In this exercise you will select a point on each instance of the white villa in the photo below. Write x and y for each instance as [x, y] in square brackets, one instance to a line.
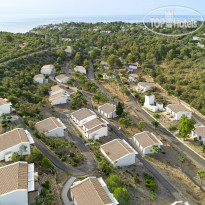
[180, 203]
[133, 66]
[103, 63]
[40, 78]
[59, 98]
[68, 49]
[145, 141]
[80, 69]
[150, 104]
[5, 107]
[56, 89]
[17, 140]
[196, 38]
[107, 77]
[144, 86]
[91, 191]
[199, 132]
[132, 77]
[62, 78]
[82, 116]
[177, 110]
[108, 110]
[17, 180]
[47, 69]
[51, 127]
[119, 153]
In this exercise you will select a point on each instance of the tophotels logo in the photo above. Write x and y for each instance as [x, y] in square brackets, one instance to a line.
[173, 21]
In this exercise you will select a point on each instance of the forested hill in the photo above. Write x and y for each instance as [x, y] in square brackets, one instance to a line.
[177, 63]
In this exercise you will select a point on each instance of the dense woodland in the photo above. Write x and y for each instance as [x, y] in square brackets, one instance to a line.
[176, 63]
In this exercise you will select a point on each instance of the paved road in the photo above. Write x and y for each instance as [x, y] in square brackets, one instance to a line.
[64, 193]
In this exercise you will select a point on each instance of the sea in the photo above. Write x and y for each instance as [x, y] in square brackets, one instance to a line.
[23, 24]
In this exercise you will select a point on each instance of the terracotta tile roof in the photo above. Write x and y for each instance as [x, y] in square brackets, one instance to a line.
[61, 77]
[178, 108]
[107, 108]
[48, 125]
[82, 114]
[11, 138]
[56, 88]
[56, 97]
[133, 75]
[96, 129]
[80, 68]
[116, 149]
[13, 177]
[93, 123]
[145, 84]
[3, 102]
[90, 192]
[39, 76]
[145, 139]
[200, 131]
[47, 67]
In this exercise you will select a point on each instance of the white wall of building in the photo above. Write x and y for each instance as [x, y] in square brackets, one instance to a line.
[18, 197]
[80, 71]
[39, 80]
[62, 100]
[98, 134]
[194, 134]
[5, 109]
[178, 115]
[64, 80]
[134, 67]
[15, 149]
[46, 72]
[58, 132]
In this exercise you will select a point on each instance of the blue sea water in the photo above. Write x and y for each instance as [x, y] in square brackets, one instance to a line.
[23, 24]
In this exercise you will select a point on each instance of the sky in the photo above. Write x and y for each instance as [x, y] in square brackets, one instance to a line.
[89, 7]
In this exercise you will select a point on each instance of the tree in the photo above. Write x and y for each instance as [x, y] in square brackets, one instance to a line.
[86, 64]
[125, 121]
[15, 157]
[186, 125]
[201, 175]
[46, 163]
[49, 199]
[78, 58]
[155, 123]
[122, 196]
[105, 167]
[182, 160]
[35, 156]
[140, 125]
[113, 182]
[22, 149]
[113, 61]
[156, 149]
[120, 108]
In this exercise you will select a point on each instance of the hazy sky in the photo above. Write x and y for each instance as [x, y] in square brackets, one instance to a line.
[90, 7]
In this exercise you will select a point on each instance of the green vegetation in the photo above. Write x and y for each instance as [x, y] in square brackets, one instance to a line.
[149, 182]
[119, 108]
[155, 123]
[172, 128]
[201, 175]
[182, 160]
[186, 125]
[125, 121]
[105, 167]
[156, 149]
[156, 115]
[78, 100]
[115, 185]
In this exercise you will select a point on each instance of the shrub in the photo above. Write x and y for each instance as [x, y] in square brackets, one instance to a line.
[76, 160]
[74, 164]
[63, 159]
[172, 127]
[46, 185]
[156, 115]
[137, 180]
[72, 154]
[149, 182]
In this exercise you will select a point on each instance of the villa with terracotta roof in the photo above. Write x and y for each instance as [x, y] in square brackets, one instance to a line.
[132, 77]
[51, 127]
[80, 69]
[119, 153]
[62, 78]
[5, 107]
[59, 98]
[82, 116]
[177, 110]
[47, 69]
[144, 86]
[40, 78]
[145, 141]
[199, 132]
[108, 110]
[56, 89]
[17, 140]
[17, 181]
[91, 191]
